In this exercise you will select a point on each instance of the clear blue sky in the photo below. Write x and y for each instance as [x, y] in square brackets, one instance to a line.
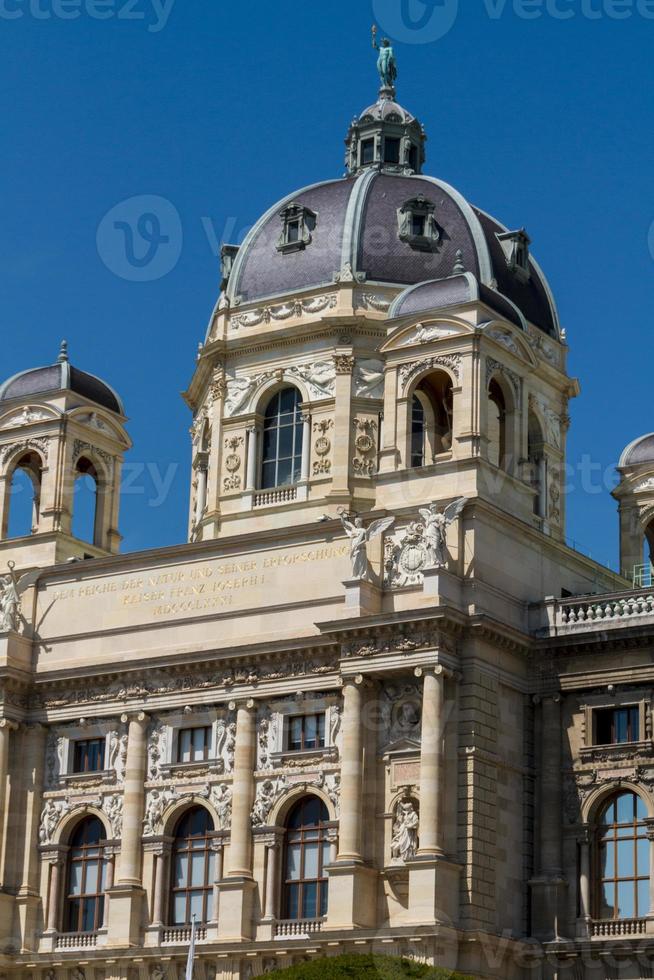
[223, 108]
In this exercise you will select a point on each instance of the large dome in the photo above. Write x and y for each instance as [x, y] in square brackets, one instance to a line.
[61, 376]
[356, 228]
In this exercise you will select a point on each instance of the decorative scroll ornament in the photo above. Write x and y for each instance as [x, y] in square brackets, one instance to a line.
[118, 754]
[285, 311]
[365, 443]
[80, 447]
[406, 560]
[373, 301]
[406, 826]
[226, 744]
[343, 363]
[409, 371]
[157, 750]
[322, 447]
[38, 443]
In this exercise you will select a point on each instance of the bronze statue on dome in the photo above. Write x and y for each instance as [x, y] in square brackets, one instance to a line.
[386, 63]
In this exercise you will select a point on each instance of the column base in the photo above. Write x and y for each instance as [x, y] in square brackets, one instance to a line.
[442, 586]
[362, 598]
[583, 930]
[352, 896]
[28, 908]
[7, 909]
[235, 908]
[547, 907]
[433, 891]
[125, 915]
[48, 942]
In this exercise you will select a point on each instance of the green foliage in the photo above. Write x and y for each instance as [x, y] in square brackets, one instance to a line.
[364, 968]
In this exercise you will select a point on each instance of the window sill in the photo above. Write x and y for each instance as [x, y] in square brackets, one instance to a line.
[626, 750]
[305, 757]
[188, 768]
[89, 778]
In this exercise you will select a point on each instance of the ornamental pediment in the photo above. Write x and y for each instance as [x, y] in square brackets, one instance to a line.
[424, 331]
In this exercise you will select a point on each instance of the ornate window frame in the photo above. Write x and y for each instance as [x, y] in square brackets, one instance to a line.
[515, 245]
[184, 720]
[419, 209]
[81, 733]
[280, 751]
[592, 750]
[298, 225]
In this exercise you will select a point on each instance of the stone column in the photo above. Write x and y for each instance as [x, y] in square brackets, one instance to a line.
[272, 877]
[388, 448]
[54, 892]
[6, 727]
[159, 885]
[351, 772]
[236, 890]
[551, 817]
[108, 885]
[22, 853]
[127, 896]
[202, 469]
[134, 801]
[583, 926]
[306, 447]
[432, 762]
[344, 364]
[251, 473]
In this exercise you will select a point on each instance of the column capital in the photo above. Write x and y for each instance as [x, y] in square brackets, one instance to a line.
[249, 703]
[9, 726]
[139, 716]
[438, 670]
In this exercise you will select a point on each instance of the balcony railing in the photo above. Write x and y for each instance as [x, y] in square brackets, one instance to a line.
[619, 609]
[298, 928]
[271, 497]
[618, 927]
[77, 940]
[181, 935]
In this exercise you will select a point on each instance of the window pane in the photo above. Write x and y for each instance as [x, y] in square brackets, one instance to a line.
[607, 860]
[326, 854]
[292, 897]
[72, 919]
[608, 909]
[284, 472]
[268, 476]
[643, 898]
[621, 719]
[75, 887]
[197, 869]
[179, 909]
[643, 857]
[181, 870]
[310, 901]
[286, 441]
[634, 723]
[626, 859]
[293, 862]
[88, 915]
[311, 859]
[91, 884]
[626, 908]
[197, 905]
[641, 809]
[321, 730]
[311, 732]
[625, 808]
[211, 871]
[608, 816]
[185, 746]
[210, 905]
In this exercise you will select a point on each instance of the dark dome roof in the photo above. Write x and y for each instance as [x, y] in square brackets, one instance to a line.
[356, 234]
[639, 451]
[61, 376]
[438, 294]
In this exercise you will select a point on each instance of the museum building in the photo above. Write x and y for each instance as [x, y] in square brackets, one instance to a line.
[375, 703]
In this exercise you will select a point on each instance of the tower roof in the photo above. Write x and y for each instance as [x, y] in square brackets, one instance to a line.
[61, 376]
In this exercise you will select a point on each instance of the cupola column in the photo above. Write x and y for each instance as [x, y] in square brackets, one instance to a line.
[344, 363]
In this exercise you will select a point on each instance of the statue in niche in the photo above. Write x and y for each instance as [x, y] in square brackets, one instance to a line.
[359, 537]
[435, 533]
[404, 844]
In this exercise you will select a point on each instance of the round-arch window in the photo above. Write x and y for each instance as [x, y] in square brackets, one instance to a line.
[193, 868]
[84, 907]
[623, 859]
[281, 460]
[307, 854]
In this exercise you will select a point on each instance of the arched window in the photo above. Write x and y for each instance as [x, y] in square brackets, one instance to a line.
[24, 503]
[306, 855]
[85, 502]
[431, 419]
[84, 906]
[537, 465]
[193, 868]
[281, 458]
[496, 425]
[622, 859]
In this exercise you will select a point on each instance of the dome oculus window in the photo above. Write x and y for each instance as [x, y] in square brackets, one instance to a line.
[298, 224]
[418, 226]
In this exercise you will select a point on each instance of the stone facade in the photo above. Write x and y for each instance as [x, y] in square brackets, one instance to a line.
[436, 708]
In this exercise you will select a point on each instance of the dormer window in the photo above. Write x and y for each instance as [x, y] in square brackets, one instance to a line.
[228, 255]
[515, 245]
[392, 150]
[367, 152]
[298, 224]
[418, 226]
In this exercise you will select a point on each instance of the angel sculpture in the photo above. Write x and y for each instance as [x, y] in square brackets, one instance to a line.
[436, 525]
[11, 589]
[359, 537]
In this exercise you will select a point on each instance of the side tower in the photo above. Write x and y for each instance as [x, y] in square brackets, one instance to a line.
[635, 496]
[59, 426]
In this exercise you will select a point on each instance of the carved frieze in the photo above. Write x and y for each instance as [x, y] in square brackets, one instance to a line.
[369, 379]
[40, 444]
[283, 311]
[411, 370]
[495, 367]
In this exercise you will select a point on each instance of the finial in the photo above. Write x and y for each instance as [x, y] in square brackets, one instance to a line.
[386, 64]
[458, 265]
[63, 352]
